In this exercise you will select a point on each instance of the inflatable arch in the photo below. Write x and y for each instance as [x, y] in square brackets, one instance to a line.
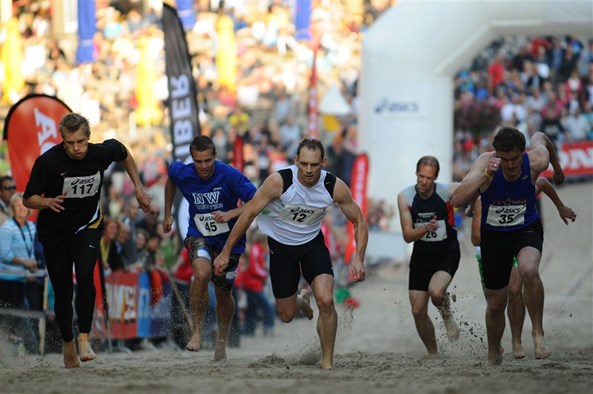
[410, 56]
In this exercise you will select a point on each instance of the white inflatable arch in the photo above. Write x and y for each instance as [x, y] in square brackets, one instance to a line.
[410, 56]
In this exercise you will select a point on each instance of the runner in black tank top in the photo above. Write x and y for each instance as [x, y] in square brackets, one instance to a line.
[427, 219]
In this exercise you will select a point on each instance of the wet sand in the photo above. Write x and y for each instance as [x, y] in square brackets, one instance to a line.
[377, 350]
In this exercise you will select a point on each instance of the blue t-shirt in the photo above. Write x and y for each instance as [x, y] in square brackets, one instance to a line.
[221, 192]
[509, 206]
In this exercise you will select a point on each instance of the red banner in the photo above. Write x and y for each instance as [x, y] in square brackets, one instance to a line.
[31, 128]
[576, 159]
[358, 187]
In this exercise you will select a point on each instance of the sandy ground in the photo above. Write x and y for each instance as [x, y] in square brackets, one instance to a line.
[377, 349]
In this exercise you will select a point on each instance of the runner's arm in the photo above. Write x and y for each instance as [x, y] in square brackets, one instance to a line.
[480, 174]
[410, 233]
[541, 144]
[543, 185]
[170, 190]
[269, 190]
[130, 166]
[350, 208]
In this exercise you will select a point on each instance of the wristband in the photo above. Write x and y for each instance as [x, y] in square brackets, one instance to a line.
[486, 173]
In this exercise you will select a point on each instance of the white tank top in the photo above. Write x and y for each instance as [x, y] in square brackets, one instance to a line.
[295, 218]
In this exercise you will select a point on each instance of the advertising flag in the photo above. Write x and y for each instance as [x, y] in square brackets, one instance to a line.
[11, 55]
[358, 186]
[313, 104]
[86, 30]
[31, 128]
[182, 102]
[186, 14]
[302, 20]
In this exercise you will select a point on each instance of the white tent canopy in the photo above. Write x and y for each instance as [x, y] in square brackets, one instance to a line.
[410, 56]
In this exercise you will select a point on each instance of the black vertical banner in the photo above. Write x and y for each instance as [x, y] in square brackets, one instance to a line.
[182, 103]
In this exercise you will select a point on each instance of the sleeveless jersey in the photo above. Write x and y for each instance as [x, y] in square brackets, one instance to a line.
[423, 210]
[54, 173]
[220, 192]
[295, 218]
[509, 206]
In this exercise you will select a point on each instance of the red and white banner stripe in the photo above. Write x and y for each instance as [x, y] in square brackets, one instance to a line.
[358, 187]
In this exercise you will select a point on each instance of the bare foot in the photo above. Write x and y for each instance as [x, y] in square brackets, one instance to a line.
[540, 348]
[495, 356]
[220, 351]
[326, 367]
[304, 304]
[495, 361]
[70, 356]
[452, 330]
[518, 352]
[84, 348]
[430, 356]
[195, 343]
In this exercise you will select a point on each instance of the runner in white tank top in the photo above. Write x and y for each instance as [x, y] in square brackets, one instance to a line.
[295, 218]
[292, 203]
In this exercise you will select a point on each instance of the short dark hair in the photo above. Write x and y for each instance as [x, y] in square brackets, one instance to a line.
[202, 143]
[507, 139]
[73, 122]
[429, 161]
[313, 144]
[6, 178]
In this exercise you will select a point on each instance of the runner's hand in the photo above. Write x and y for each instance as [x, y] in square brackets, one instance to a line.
[221, 217]
[566, 213]
[143, 199]
[167, 223]
[220, 264]
[55, 203]
[357, 270]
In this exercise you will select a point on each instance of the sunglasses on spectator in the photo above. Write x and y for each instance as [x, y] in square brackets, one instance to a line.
[9, 187]
[155, 213]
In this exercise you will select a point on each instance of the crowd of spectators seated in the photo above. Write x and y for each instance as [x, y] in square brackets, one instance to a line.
[541, 83]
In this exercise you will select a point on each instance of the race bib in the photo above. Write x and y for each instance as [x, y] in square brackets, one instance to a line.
[208, 227]
[434, 236]
[506, 216]
[81, 186]
[302, 214]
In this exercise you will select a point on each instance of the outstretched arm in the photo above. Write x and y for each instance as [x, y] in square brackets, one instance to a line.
[343, 197]
[141, 196]
[479, 176]
[566, 213]
[269, 190]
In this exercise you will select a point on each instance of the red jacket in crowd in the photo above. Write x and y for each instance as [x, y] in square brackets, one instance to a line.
[253, 277]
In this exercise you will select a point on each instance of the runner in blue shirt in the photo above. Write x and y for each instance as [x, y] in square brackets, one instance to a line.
[213, 190]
